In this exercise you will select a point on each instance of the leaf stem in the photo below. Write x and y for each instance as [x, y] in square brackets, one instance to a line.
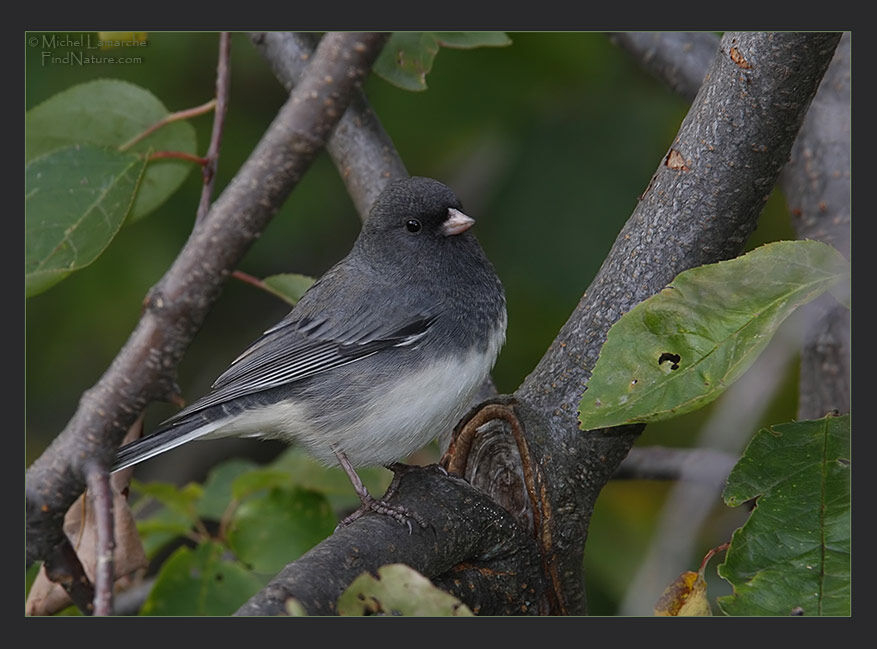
[180, 155]
[249, 279]
[710, 554]
[172, 117]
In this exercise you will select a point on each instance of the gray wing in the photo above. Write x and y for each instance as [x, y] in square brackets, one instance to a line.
[300, 347]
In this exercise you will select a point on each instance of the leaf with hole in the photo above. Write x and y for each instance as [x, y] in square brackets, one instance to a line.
[398, 590]
[408, 56]
[680, 349]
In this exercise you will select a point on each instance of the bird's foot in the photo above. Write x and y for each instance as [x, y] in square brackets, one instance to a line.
[396, 512]
[371, 504]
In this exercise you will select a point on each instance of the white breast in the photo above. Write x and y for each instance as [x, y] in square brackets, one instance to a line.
[411, 412]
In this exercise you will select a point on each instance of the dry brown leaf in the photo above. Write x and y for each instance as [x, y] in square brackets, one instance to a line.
[686, 596]
[45, 596]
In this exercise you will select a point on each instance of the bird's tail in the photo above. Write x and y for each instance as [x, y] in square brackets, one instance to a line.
[164, 439]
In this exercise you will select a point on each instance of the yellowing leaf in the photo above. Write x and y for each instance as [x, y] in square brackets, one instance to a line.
[685, 597]
[398, 590]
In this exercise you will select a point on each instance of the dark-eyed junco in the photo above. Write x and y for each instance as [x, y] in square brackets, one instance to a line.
[381, 355]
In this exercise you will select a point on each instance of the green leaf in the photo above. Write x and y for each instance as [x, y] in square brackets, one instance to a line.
[247, 484]
[201, 582]
[162, 527]
[76, 199]
[180, 500]
[269, 531]
[288, 286]
[408, 56]
[793, 554]
[680, 349]
[294, 608]
[469, 40]
[306, 472]
[109, 113]
[406, 59]
[218, 487]
[398, 590]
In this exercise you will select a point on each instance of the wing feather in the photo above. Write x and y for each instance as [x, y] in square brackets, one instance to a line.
[294, 350]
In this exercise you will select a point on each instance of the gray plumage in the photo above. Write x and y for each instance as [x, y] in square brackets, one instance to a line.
[381, 355]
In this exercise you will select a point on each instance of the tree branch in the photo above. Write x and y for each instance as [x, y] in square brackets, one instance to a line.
[493, 566]
[816, 183]
[360, 147]
[98, 481]
[700, 207]
[208, 171]
[679, 59]
[704, 466]
[174, 309]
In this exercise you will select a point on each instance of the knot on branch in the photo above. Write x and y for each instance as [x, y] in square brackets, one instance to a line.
[490, 450]
[486, 450]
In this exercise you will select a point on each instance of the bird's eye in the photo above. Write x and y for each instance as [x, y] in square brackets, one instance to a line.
[412, 225]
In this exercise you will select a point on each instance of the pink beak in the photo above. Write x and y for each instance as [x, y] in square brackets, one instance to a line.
[456, 222]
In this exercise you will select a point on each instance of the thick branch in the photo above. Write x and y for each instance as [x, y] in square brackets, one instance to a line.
[360, 147]
[701, 204]
[470, 548]
[175, 308]
[700, 207]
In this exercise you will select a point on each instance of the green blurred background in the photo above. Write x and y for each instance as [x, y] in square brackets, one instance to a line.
[548, 142]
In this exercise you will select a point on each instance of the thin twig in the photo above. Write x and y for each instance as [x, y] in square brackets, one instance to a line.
[102, 498]
[179, 155]
[699, 465]
[208, 171]
[168, 119]
[246, 278]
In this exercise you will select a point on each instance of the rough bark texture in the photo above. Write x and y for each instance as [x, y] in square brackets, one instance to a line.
[700, 207]
[470, 547]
